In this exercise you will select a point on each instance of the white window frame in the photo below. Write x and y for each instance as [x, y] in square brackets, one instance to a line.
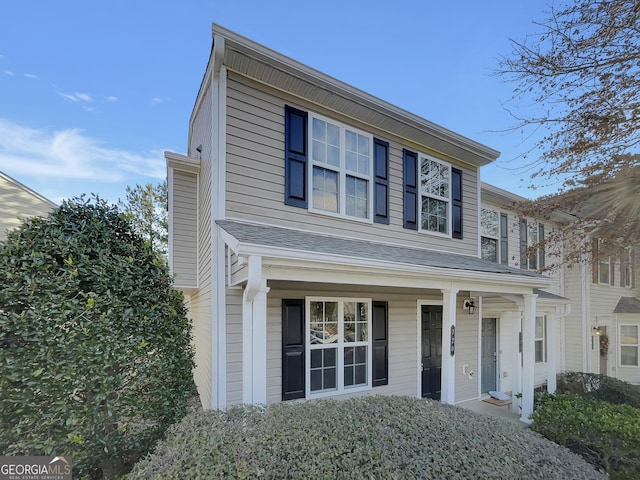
[623, 345]
[341, 170]
[421, 194]
[489, 236]
[542, 339]
[340, 345]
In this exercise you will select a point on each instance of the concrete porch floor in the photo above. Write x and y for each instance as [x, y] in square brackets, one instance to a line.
[484, 408]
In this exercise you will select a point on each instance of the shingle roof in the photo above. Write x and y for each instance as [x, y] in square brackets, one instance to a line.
[297, 240]
[627, 305]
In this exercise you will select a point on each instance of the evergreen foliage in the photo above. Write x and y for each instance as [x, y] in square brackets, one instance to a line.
[95, 359]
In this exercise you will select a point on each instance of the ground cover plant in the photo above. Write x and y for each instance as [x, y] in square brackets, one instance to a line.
[607, 435]
[386, 437]
[95, 355]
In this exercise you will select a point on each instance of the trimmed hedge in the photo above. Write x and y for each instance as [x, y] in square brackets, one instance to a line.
[359, 438]
[599, 387]
[606, 435]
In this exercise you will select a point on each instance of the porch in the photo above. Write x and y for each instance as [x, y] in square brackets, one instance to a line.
[504, 411]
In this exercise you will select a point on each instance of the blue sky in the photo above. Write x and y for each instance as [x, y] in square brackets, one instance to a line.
[93, 93]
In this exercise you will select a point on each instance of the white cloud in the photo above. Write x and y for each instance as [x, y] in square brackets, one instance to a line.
[7, 72]
[76, 97]
[112, 99]
[69, 154]
[32, 76]
[157, 100]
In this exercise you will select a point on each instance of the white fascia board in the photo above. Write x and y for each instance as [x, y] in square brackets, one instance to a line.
[303, 260]
[182, 162]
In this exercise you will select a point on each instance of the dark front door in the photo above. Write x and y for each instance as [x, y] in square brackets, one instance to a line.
[431, 351]
[488, 355]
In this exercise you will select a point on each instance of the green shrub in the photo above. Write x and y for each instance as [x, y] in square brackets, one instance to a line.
[599, 387]
[606, 435]
[95, 359]
[360, 438]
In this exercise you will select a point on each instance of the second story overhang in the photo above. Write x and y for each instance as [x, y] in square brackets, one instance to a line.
[245, 57]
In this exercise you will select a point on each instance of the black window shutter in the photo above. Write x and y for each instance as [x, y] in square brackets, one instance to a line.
[380, 352]
[295, 161]
[380, 181]
[456, 203]
[293, 347]
[504, 239]
[524, 264]
[541, 251]
[410, 162]
[595, 261]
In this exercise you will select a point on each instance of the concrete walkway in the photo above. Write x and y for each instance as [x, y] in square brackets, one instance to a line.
[484, 408]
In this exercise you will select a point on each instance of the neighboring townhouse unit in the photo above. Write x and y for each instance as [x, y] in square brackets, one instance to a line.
[510, 239]
[605, 316]
[328, 244]
[19, 203]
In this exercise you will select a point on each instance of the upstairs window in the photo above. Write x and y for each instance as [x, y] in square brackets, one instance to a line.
[604, 269]
[340, 174]
[489, 234]
[435, 196]
[532, 253]
[627, 269]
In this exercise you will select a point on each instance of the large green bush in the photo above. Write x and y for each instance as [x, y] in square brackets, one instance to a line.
[379, 437]
[599, 387]
[95, 359]
[605, 434]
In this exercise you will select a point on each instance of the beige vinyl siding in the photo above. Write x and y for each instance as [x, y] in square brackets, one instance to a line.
[19, 203]
[201, 300]
[466, 350]
[574, 334]
[255, 173]
[185, 230]
[234, 345]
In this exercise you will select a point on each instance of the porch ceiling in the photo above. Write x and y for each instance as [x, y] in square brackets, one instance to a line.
[246, 238]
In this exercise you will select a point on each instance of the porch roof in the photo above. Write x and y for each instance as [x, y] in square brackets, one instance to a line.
[262, 235]
[627, 305]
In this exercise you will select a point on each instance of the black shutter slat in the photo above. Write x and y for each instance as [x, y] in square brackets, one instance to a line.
[410, 163]
[524, 264]
[380, 346]
[380, 181]
[293, 349]
[456, 203]
[295, 177]
[504, 239]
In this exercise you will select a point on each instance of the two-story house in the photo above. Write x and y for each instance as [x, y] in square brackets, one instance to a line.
[329, 245]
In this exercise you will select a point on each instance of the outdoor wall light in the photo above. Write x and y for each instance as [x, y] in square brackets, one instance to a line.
[596, 331]
[470, 305]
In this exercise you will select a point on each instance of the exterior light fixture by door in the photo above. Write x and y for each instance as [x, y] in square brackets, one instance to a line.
[470, 305]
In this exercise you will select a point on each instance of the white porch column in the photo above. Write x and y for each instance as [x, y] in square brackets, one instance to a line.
[552, 348]
[448, 386]
[516, 380]
[254, 334]
[528, 356]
